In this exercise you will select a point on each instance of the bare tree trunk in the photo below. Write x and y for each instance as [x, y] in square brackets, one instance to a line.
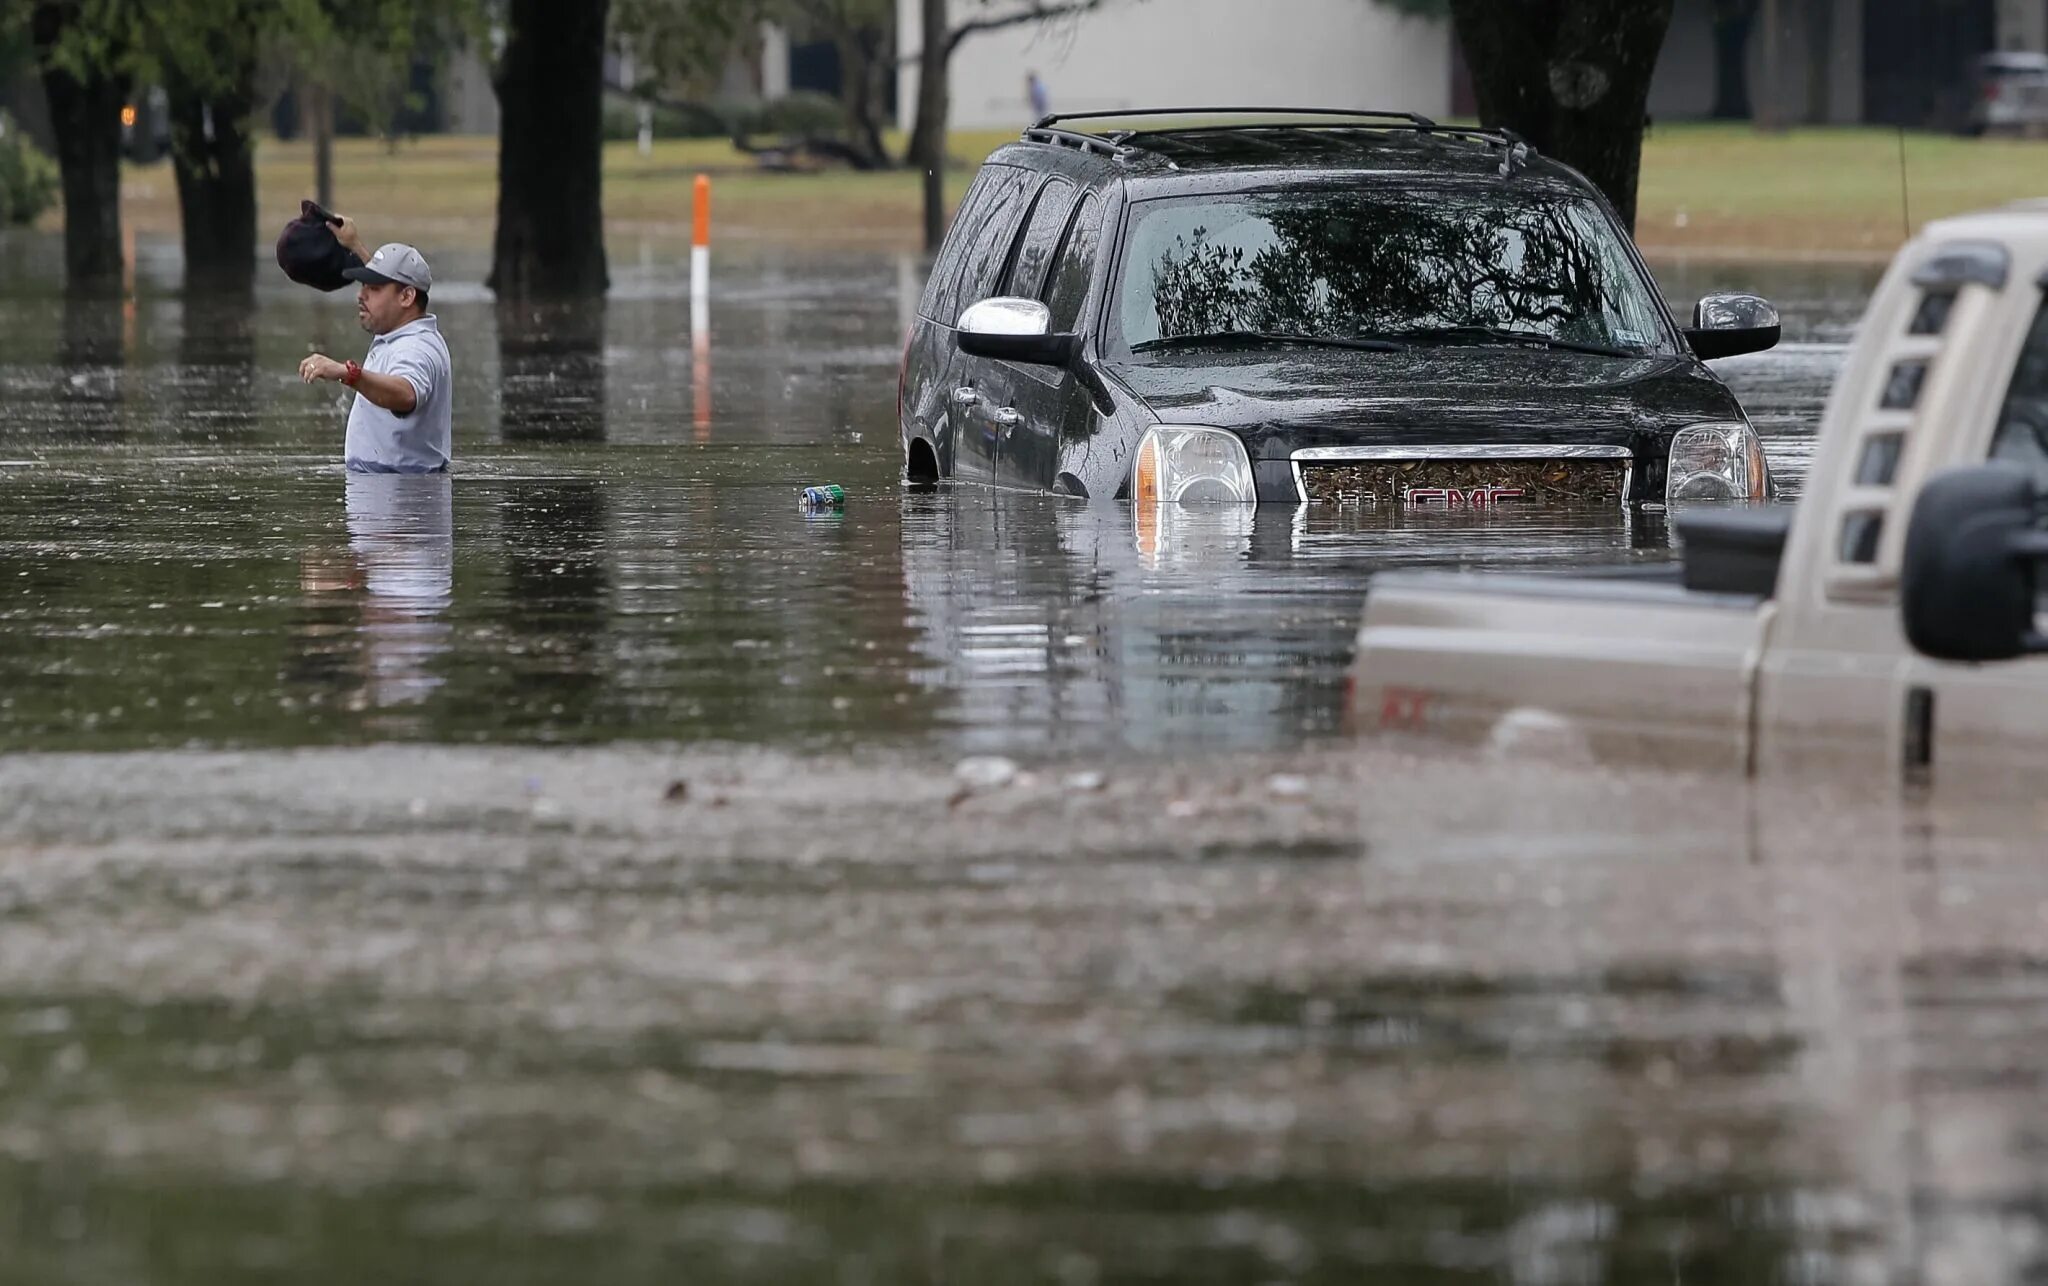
[881, 70]
[215, 168]
[89, 343]
[1770, 113]
[1733, 20]
[928, 141]
[1572, 77]
[86, 117]
[1820, 61]
[550, 83]
[551, 370]
[862, 64]
[217, 347]
[320, 113]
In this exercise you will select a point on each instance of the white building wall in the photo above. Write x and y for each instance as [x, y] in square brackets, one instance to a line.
[1684, 85]
[1179, 53]
[1683, 88]
[2023, 25]
[1845, 74]
[774, 61]
[472, 105]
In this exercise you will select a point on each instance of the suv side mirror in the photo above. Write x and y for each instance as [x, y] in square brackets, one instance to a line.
[1727, 325]
[1010, 329]
[1966, 587]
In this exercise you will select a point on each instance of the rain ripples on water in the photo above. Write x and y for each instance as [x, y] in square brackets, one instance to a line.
[620, 554]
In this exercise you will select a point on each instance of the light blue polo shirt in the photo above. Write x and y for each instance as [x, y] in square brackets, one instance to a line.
[421, 441]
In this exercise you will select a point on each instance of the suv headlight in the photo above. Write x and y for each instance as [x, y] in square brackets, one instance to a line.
[1178, 464]
[1721, 461]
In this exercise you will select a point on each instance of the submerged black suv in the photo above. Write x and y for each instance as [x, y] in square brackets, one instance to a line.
[1303, 307]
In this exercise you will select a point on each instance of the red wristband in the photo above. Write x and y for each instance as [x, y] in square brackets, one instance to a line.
[351, 372]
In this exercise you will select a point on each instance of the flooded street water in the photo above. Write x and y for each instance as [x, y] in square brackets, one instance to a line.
[620, 552]
[560, 871]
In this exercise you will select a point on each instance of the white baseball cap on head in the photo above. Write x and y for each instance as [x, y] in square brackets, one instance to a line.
[396, 262]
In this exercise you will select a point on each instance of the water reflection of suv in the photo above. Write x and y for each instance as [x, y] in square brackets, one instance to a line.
[1346, 308]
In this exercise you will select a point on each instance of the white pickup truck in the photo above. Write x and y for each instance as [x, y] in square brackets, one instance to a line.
[1883, 624]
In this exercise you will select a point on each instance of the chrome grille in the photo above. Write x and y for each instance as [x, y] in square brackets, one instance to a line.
[1464, 477]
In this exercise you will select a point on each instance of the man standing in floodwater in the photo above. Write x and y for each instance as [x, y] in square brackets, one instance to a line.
[401, 420]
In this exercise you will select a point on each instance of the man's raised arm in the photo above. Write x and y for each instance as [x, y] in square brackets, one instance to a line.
[350, 239]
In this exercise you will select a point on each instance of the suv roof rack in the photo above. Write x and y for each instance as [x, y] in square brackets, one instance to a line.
[1083, 142]
[1409, 118]
[1121, 143]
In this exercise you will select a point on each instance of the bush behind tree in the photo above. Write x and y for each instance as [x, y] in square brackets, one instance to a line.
[28, 179]
[671, 120]
[799, 114]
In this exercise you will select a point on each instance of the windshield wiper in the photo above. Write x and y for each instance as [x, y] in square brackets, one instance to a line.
[1508, 335]
[1254, 338]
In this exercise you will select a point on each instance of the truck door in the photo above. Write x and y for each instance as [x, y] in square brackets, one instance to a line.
[1913, 398]
[1987, 724]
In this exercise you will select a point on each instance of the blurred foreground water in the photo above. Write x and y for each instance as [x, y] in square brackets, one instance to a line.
[448, 1015]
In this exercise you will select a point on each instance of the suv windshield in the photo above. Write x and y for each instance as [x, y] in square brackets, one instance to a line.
[1427, 264]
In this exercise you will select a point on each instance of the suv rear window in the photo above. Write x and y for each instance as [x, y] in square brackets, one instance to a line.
[1048, 219]
[1340, 263]
[940, 300]
[987, 246]
[976, 245]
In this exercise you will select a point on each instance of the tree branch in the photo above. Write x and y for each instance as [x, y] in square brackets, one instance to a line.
[1036, 11]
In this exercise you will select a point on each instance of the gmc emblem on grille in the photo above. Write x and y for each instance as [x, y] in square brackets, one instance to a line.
[1456, 497]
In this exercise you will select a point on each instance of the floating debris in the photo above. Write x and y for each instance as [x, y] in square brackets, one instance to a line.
[985, 772]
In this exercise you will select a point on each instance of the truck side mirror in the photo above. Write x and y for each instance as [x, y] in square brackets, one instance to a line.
[1728, 325]
[1966, 588]
[1015, 330]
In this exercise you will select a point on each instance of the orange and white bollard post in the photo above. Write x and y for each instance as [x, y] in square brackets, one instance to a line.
[700, 250]
[700, 308]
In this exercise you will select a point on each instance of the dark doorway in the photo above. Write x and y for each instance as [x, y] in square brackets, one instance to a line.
[1916, 59]
[814, 66]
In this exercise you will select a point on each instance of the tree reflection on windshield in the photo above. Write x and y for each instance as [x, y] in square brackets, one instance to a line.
[1339, 264]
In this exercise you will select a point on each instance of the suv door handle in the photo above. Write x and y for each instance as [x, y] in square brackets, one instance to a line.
[966, 398]
[1006, 418]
